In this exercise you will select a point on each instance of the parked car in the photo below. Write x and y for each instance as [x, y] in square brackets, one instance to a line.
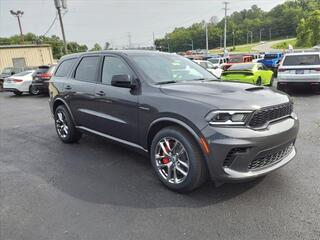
[237, 59]
[271, 60]
[218, 62]
[9, 71]
[19, 83]
[300, 70]
[41, 78]
[169, 107]
[255, 73]
[210, 67]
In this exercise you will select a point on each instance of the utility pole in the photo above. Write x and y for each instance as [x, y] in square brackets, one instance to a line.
[62, 4]
[192, 44]
[207, 40]
[225, 26]
[19, 14]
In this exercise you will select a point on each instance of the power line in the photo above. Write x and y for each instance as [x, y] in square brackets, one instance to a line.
[51, 26]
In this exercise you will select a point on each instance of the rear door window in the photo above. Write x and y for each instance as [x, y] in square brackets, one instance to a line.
[65, 67]
[87, 70]
[301, 60]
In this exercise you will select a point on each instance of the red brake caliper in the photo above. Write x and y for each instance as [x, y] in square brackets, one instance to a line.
[166, 160]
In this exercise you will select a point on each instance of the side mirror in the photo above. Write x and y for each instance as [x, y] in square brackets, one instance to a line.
[123, 81]
[13, 73]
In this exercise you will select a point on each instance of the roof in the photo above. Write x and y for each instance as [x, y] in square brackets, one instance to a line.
[302, 53]
[118, 52]
[24, 46]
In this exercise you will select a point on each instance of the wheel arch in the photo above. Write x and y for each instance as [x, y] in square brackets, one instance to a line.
[164, 122]
[58, 102]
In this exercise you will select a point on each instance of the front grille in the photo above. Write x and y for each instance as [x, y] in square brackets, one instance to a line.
[266, 160]
[261, 117]
[232, 155]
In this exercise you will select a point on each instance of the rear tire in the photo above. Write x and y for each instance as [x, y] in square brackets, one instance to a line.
[65, 127]
[184, 169]
[34, 91]
[259, 81]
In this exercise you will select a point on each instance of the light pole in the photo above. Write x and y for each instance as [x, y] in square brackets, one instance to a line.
[225, 27]
[261, 33]
[207, 40]
[234, 42]
[18, 14]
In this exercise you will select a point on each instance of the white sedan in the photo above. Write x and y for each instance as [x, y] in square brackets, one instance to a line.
[210, 67]
[19, 83]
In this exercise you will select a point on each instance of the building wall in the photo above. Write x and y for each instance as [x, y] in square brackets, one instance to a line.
[34, 56]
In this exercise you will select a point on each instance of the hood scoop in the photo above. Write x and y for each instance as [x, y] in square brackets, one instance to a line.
[254, 89]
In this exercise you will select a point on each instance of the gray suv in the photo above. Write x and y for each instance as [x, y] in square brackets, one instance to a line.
[192, 125]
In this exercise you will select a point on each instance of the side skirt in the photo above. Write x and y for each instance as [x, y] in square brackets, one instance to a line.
[112, 138]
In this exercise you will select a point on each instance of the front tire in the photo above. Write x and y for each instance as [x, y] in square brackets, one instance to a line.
[177, 160]
[65, 127]
[17, 93]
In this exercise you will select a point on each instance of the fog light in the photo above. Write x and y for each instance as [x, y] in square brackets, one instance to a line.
[238, 117]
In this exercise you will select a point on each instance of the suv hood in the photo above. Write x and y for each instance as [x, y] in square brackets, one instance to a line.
[226, 95]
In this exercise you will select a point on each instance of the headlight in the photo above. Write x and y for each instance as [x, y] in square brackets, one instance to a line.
[228, 117]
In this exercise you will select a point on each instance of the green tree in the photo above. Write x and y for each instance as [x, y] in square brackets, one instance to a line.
[96, 47]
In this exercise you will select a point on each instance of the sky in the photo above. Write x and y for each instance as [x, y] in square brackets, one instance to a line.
[91, 21]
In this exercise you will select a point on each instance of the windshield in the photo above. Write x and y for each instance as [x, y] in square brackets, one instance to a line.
[271, 56]
[247, 66]
[21, 74]
[7, 71]
[162, 68]
[214, 60]
[302, 60]
[236, 59]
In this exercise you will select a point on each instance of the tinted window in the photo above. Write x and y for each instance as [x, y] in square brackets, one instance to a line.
[87, 69]
[271, 56]
[247, 66]
[42, 69]
[301, 60]
[65, 67]
[114, 66]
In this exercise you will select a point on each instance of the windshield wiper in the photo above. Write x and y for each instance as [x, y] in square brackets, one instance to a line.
[165, 82]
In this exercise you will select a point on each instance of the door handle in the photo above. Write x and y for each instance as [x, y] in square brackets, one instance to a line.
[101, 93]
[68, 87]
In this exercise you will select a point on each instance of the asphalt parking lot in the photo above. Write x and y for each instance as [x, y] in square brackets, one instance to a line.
[100, 190]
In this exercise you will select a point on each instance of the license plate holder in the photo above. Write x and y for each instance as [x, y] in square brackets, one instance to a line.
[300, 72]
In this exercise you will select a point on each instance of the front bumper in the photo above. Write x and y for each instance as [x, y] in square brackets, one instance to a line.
[247, 147]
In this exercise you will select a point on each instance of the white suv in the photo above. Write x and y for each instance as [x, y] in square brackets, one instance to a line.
[300, 70]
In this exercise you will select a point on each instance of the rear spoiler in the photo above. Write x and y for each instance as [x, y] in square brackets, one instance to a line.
[244, 72]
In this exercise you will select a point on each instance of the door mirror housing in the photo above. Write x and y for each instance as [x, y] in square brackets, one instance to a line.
[123, 81]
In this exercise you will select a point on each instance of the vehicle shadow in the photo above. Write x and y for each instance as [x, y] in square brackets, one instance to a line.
[99, 171]
[303, 92]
